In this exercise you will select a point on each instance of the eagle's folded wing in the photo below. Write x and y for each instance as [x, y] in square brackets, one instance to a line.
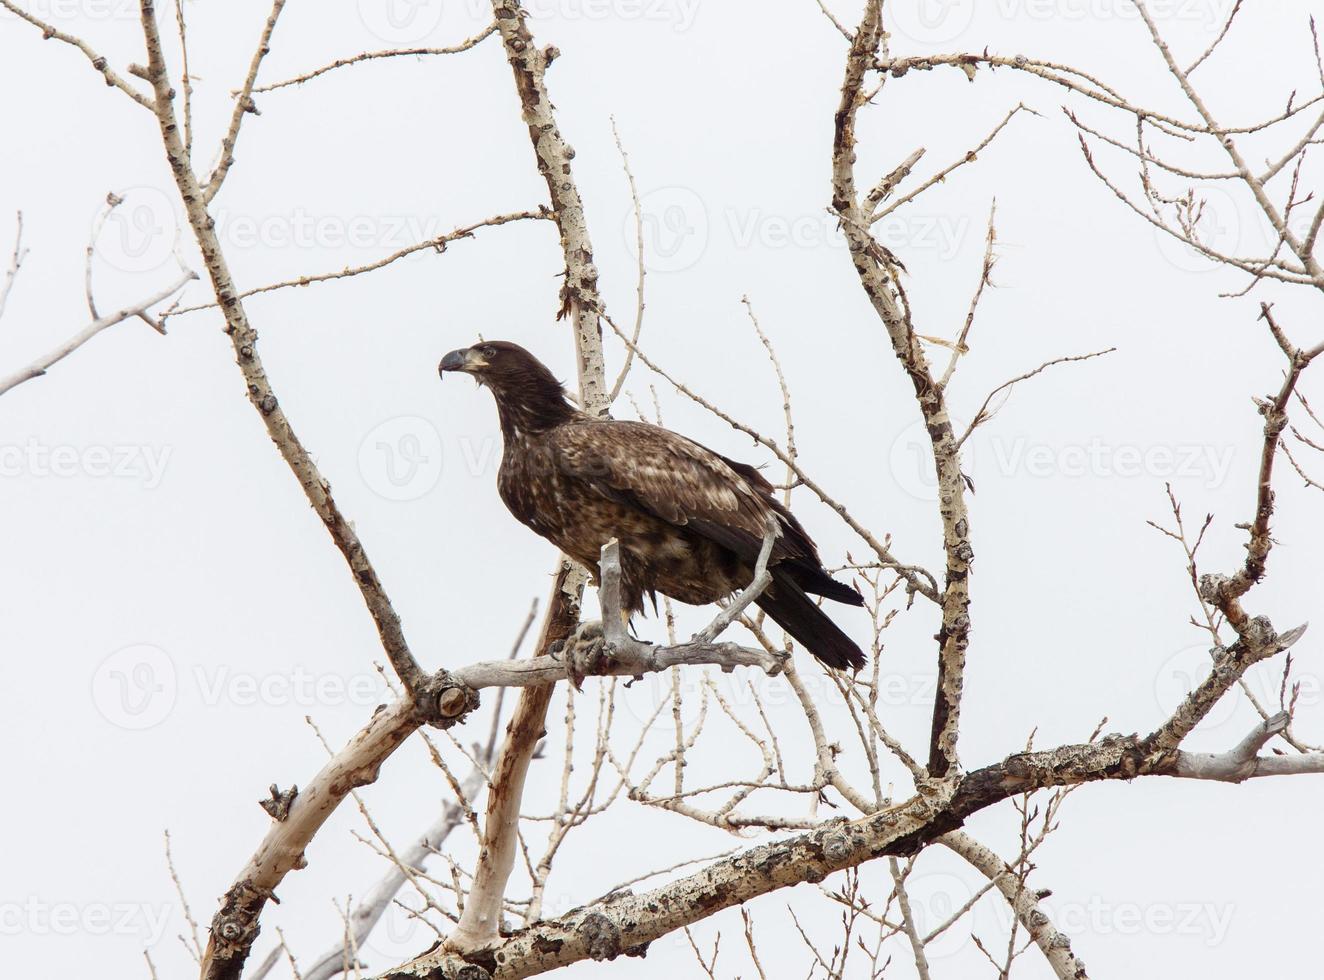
[678, 481]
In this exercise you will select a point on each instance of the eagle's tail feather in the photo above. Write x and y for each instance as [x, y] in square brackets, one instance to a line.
[816, 581]
[785, 601]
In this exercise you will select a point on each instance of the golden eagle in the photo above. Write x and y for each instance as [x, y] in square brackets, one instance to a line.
[690, 522]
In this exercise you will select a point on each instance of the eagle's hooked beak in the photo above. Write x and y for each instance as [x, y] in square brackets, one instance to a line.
[466, 359]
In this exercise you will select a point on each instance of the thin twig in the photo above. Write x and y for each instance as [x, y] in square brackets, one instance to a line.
[15, 262]
[465, 45]
[983, 415]
[243, 105]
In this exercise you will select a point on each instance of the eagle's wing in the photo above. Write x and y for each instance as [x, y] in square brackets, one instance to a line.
[688, 485]
[681, 482]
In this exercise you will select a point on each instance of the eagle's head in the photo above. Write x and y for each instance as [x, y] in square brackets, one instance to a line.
[520, 382]
[499, 364]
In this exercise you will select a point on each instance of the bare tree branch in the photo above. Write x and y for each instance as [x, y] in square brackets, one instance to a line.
[42, 364]
[243, 104]
[465, 45]
[437, 244]
[15, 262]
[876, 270]
[96, 60]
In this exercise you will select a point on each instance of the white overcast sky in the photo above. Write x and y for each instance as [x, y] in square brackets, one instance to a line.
[171, 609]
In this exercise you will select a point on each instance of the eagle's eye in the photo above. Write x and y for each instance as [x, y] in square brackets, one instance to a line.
[489, 352]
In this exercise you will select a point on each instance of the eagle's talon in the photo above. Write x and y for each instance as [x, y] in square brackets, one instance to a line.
[585, 652]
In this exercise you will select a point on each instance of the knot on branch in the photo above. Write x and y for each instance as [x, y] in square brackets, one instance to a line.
[1259, 634]
[234, 927]
[1223, 592]
[837, 846]
[600, 935]
[442, 700]
[279, 803]
[1214, 587]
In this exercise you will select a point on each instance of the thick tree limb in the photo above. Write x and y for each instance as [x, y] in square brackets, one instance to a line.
[1243, 761]
[624, 924]
[235, 925]
[482, 911]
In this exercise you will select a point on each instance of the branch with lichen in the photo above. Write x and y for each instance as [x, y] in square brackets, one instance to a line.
[877, 270]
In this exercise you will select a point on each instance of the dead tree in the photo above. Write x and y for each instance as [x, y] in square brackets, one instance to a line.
[894, 800]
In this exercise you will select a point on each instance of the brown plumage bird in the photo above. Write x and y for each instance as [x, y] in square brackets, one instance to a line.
[690, 522]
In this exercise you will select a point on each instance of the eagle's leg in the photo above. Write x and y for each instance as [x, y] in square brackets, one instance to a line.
[585, 652]
[591, 649]
[761, 580]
